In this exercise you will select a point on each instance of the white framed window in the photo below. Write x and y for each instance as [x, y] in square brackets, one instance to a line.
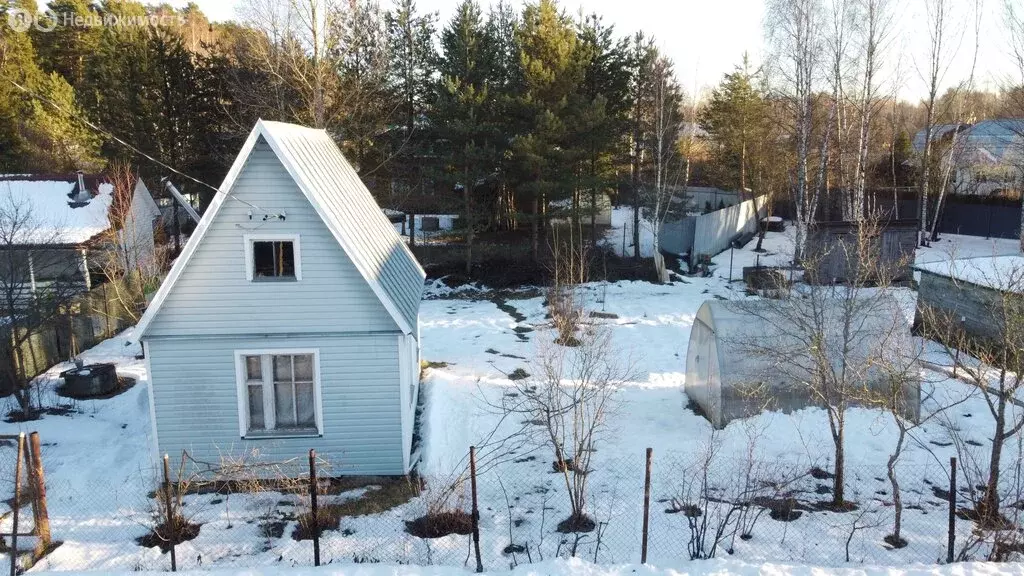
[272, 257]
[279, 393]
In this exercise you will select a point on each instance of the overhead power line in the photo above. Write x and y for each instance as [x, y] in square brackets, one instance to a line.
[104, 132]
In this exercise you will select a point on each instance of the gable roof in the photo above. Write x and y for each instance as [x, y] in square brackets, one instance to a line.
[345, 205]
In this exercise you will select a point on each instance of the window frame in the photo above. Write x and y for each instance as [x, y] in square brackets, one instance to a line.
[242, 390]
[248, 241]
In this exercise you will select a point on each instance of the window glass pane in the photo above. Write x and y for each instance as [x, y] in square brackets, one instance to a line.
[282, 368]
[304, 403]
[285, 263]
[256, 421]
[284, 405]
[253, 368]
[304, 368]
[273, 259]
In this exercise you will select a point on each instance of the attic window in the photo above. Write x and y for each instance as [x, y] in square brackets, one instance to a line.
[273, 258]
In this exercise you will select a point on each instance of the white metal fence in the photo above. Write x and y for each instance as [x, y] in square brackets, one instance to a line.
[710, 233]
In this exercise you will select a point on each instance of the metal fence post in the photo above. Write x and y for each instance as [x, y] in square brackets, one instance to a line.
[16, 504]
[647, 506]
[314, 507]
[952, 511]
[476, 510]
[169, 504]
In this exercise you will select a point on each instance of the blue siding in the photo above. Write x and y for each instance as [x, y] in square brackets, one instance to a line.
[214, 297]
[214, 310]
[196, 402]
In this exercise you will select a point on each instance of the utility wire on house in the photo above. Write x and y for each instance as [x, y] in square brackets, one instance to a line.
[103, 132]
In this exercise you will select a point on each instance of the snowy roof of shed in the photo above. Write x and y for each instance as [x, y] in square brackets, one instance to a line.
[345, 205]
[46, 210]
[998, 272]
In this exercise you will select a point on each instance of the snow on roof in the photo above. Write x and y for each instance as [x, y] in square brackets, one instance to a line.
[46, 212]
[998, 272]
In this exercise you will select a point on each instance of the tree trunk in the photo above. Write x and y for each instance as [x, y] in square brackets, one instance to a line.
[469, 231]
[897, 498]
[839, 483]
[988, 508]
[534, 231]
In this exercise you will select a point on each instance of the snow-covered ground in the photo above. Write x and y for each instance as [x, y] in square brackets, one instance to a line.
[577, 567]
[98, 478]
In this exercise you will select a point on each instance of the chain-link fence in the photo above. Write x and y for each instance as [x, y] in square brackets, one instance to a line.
[692, 507]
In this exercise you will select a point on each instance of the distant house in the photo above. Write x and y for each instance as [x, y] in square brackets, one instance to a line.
[55, 229]
[290, 320]
[988, 157]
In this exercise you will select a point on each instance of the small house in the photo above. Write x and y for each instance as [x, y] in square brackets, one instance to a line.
[57, 229]
[746, 356]
[290, 320]
[967, 295]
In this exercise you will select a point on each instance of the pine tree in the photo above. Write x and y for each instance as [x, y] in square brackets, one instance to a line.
[69, 47]
[605, 107]
[40, 129]
[735, 118]
[552, 70]
[462, 126]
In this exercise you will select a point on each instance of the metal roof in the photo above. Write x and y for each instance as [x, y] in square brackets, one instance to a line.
[347, 208]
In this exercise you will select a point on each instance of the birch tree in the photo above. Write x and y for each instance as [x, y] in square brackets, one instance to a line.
[939, 55]
[876, 22]
[1014, 92]
[794, 30]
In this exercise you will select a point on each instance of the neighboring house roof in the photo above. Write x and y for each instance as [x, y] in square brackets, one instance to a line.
[1000, 139]
[938, 132]
[1005, 273]
[50, 209]
[988, 141]
[345, 205]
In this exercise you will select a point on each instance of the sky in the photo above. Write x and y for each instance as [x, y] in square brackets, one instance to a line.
[707, 38]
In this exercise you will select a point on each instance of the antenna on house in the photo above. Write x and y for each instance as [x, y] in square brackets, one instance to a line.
[181, 200]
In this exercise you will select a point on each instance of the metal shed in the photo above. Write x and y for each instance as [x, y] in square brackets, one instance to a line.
[744, 356]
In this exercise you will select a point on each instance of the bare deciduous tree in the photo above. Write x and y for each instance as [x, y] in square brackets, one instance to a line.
[130, 268]
[991, 362]
[39, 277]
[832, 341]
[794, 30]
[576, 374]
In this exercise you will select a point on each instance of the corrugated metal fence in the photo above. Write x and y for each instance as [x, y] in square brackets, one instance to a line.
[710, 233]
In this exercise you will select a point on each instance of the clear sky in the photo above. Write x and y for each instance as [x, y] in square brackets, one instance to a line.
[707, 38]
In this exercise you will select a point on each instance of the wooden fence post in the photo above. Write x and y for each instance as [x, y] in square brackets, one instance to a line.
[17, 504]
[476, 510]
[647, 506]
[313, 506]
[952, 511]
[169, 504]
[40, 512]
